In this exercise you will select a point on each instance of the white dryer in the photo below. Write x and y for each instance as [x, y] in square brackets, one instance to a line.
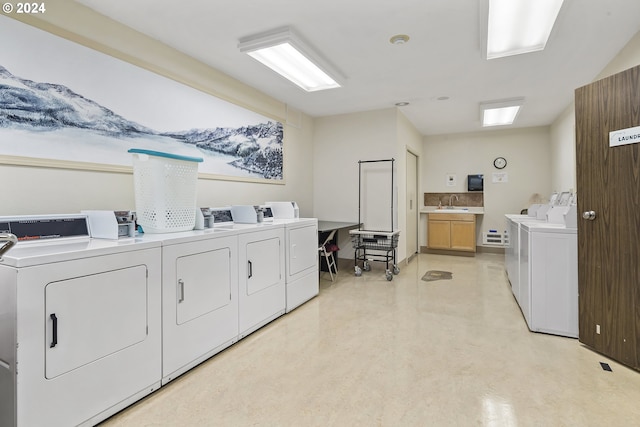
[80, 328]
[199, 296]
[261, 277]
[301, 260]
[261, 266]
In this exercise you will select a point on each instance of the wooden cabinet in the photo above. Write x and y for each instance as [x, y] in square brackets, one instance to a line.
[452, 231]
[463, 234]
[439, 233]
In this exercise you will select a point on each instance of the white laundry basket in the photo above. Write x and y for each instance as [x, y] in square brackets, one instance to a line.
[165, 190]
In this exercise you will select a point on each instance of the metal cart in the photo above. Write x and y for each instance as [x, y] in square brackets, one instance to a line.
[375, 245]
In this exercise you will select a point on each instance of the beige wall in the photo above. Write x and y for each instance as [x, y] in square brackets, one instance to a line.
[339, 143]
[563, 138]
[627, 58]
[563, 152]
[527, 153]
[38, 190]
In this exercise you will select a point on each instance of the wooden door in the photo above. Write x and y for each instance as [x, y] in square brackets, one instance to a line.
[608, 183]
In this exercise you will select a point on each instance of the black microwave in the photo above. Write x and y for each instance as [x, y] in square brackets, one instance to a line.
[475, 182]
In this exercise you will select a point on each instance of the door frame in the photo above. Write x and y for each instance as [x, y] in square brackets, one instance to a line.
[416, 219]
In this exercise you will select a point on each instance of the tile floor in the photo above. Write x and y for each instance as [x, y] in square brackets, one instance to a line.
[367, 352]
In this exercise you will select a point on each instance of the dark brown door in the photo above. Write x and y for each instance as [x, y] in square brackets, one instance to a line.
[608, 188]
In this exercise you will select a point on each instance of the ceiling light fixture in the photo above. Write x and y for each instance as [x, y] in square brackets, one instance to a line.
[500, 113]
[522, 26]
[399, 39]
[286, 54]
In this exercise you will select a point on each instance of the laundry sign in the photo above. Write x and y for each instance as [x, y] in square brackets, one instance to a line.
[624, 136]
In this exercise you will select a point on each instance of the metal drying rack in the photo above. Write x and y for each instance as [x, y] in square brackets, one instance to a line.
[375, 245]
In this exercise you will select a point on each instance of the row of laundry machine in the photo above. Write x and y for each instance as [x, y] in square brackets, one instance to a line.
[541, 262]
[90, 325]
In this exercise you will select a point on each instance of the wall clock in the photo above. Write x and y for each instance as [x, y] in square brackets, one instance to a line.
[500, 162]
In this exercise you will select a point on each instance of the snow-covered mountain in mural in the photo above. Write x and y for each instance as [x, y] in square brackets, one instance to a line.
[255, 146]
[37, 109]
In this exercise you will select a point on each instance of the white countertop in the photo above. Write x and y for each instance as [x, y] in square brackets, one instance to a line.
[456, 209]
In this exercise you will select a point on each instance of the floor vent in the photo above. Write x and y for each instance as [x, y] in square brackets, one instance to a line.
[495, 238]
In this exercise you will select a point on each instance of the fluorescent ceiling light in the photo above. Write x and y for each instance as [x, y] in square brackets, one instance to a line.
[519, 26]
[286, 54]
[500, 113]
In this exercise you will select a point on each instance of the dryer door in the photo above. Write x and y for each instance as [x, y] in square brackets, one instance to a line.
[303, 250]
[93, 316]
[203, 283]
[263, 264]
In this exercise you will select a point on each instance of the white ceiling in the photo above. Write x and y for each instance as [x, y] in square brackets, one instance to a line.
[442, 58]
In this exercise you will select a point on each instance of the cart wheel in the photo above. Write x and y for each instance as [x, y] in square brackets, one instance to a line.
[396, 269]
[358, 271]
[367, 266]
[389, 276]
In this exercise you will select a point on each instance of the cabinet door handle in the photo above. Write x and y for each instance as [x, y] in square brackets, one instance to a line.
[250, 269]
[54, 339]
[180, 290]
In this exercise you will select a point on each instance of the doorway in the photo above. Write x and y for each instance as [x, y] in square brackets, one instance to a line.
[412, 205]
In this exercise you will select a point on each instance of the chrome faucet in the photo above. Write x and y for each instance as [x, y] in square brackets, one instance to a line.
[451, 199]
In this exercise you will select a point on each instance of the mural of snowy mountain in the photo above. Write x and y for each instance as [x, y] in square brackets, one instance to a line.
[258, 147]
[38, 110]
[30, 105]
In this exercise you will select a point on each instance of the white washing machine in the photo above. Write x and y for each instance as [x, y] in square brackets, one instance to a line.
[537, 213]
[512, 252]
[549, 278]
[301, 260]
[80, 326]
[199, 296]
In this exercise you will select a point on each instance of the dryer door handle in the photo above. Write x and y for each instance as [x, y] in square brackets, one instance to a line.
[180, 290]
[54, 339]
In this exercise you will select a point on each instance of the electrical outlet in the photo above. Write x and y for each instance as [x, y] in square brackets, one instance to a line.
[598, 329]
